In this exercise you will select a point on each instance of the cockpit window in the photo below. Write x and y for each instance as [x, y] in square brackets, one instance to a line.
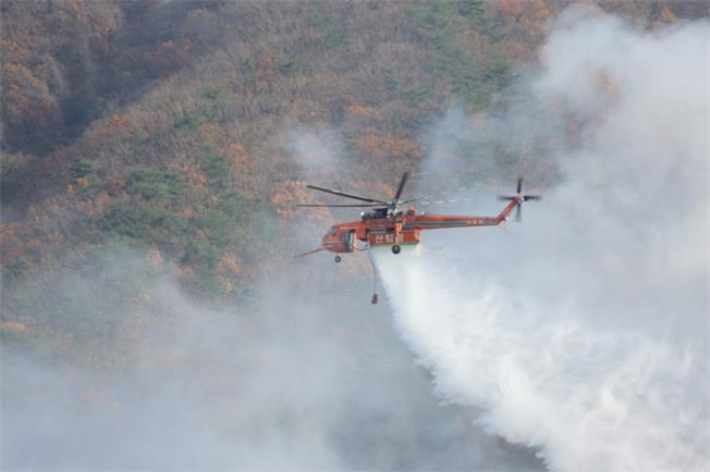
[333, 230]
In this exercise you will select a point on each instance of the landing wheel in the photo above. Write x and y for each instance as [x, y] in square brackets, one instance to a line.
[338, 258]
[396, 249]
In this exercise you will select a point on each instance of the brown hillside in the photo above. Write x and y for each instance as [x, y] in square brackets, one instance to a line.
[165, 125]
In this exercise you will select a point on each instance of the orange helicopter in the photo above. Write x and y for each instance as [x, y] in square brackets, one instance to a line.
[386, 224]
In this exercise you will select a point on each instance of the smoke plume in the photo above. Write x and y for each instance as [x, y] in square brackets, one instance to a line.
[584, 331]
[305, 376]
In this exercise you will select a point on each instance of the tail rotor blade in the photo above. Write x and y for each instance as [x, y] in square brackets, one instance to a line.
[519, 198]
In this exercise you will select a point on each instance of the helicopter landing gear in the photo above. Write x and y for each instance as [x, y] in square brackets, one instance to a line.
[338, 259]
[396, 249]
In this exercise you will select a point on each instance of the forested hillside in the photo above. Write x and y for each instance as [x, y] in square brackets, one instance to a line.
[163, 126]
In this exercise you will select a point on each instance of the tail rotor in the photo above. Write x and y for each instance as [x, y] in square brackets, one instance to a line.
[520, 198]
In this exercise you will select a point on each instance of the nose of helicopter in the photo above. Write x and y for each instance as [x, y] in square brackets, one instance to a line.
[329, 236]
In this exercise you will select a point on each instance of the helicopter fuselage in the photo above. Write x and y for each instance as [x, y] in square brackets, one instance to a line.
[402, 228]
[386, 224]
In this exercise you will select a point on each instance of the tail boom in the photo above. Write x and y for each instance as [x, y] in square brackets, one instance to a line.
[424, 222]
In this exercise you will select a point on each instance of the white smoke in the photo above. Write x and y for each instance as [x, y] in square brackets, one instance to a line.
[584, 332]
[318, 151]
[307, 376]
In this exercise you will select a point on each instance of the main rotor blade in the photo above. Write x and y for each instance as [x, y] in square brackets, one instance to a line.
[532, 197]
[401, 187]
[354, 205]
[438, 195]
[441, 202]
[346, 195]
[322, 248]
[518, 213]
[520, 185]
[506, 198]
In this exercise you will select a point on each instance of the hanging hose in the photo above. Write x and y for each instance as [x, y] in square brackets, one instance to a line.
[374, 271]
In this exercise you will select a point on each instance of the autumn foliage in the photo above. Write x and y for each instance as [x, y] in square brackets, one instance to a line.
[159, 126]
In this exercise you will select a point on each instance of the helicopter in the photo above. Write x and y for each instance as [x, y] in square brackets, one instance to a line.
[388, 224]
